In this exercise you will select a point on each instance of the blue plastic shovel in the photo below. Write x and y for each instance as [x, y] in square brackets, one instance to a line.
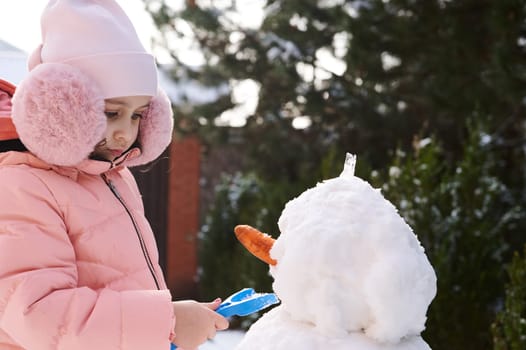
[243, 303]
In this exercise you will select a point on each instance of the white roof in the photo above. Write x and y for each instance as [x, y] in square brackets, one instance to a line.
[13, 63]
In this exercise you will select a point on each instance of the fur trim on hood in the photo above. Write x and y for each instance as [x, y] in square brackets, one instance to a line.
[58, 112]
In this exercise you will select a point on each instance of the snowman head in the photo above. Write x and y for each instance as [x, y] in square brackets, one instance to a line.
[346, 261]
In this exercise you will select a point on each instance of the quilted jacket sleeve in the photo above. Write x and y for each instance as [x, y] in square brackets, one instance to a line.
[41, 306]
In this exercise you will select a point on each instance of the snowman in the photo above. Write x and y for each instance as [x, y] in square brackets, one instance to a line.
[349, 271]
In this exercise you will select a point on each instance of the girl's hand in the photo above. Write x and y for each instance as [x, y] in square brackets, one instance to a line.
[196, 322]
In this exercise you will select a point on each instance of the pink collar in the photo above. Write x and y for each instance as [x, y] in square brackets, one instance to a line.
[88, 166]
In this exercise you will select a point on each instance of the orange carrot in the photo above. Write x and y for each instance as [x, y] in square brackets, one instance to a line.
[256, 242]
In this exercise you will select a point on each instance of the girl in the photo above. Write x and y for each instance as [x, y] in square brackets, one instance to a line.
[78, 260]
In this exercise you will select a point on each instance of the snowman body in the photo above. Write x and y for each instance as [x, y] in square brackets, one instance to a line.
[276, 330]
[350, 274]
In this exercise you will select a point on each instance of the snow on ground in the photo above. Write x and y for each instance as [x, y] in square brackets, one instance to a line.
[224, 340]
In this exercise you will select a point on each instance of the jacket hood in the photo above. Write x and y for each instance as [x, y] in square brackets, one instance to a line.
[7, 129]
[58, 112]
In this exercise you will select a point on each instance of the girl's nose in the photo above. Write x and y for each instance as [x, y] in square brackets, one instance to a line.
[123, 132]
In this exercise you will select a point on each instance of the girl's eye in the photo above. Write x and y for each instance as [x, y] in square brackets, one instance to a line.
[136, 116]
[110, 114]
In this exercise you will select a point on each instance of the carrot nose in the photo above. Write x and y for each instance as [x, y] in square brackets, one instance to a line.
[256, 242]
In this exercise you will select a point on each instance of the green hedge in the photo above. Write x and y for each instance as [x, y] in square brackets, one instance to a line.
[468, 220]
[509, 329]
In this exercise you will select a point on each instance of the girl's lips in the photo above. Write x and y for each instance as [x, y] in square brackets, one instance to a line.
[116, 152]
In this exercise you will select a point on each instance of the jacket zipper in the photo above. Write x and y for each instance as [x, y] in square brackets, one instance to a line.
[139, 235]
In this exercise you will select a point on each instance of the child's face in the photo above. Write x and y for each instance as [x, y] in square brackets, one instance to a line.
[124, 115]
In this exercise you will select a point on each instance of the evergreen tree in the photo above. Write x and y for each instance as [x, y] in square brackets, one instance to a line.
[370, 74]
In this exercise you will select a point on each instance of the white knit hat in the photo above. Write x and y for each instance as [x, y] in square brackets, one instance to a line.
[97, 37]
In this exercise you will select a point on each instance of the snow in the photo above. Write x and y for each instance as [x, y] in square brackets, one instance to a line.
[350, 273]
[279, 47]
[224, 340]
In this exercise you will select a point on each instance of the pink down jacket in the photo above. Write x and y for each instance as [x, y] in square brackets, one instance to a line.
[78, 260]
